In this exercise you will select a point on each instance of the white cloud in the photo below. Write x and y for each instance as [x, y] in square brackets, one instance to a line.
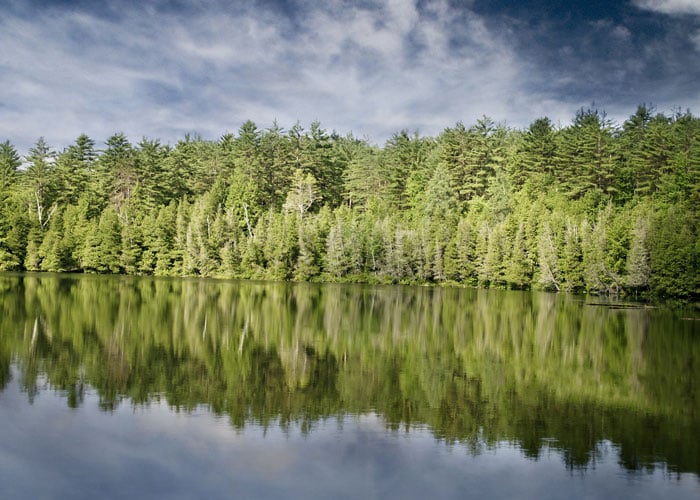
[370, 69]
[670, 6]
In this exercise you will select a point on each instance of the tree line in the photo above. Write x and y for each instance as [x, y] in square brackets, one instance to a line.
[590, 206]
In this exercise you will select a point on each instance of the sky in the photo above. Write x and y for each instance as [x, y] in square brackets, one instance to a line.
[163, 69]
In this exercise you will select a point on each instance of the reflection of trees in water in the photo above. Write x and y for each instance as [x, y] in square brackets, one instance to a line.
[477, 366]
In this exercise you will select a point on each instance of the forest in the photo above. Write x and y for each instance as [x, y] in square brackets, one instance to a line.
[591, 206]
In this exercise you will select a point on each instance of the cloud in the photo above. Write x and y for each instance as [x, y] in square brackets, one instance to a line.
[674, 7]
[372, 69]
[170, 68]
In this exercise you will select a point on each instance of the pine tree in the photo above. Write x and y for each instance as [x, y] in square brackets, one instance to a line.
[165, 236]
[494, 264]
[110, 239]
[326, 167]
[150, 161]
[308, 261]
[587, 155]
[537, 156]
[633, 171]
[548, 261]
[32, 260]
[597, 273]
[13, 226]
[402, 155]
[242, 202]
[53, 253]
[638, 266]
[483, 157]
[681, 175]
[364, 179]
[571, 259]
[90, 256]
[674, 255]
[303, 194]
[41, 181]
[465, 243]
[116, 171]
[336, 260]
[517, 272]
[10, 161]
[276, 165]
[440, 201]
[74, 167]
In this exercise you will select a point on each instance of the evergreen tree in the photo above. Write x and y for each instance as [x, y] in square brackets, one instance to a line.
[242, 203]
[116, 171]
[180, 168]
[571, 259]
[303, 194]
[402, 155]
[587, 155]
[465, 243]
[493, 266]
[439, 200]
[110, 242]
[599, 275]
[518, 270]
[681, 176]
[276, 165]
[537, 156]
[13, 227]
[634, 175]
[41, 181]
[548, 276]
[74, 167]
[638, 267]
[674, 256]
[452, 151]
[364, 179]
[150, 165]
[9, 163]
[51, 253]
[483, 157]
[336, 261]
[164, 245]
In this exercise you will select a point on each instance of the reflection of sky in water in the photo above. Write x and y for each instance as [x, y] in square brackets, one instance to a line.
[48, 450]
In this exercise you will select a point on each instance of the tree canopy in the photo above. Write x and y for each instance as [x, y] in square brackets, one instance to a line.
[590, 206]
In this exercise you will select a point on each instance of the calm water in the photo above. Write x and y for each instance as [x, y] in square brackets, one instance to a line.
[128, 387]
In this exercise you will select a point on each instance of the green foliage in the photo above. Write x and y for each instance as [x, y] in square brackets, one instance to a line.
[75, 168]
[535, 164]
[41, 182]
[364, 179]
[638, 266]
[9, 163]
[674, 254]
[586, 159]
[588, 206]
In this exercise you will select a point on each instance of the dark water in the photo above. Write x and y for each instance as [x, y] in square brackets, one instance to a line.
[128, 388]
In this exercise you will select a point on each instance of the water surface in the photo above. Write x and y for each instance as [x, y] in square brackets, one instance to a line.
[192, 388]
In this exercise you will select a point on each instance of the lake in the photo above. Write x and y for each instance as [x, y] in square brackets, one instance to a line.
[124, 387]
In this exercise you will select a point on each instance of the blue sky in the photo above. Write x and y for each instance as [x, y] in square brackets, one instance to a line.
[166, 68]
